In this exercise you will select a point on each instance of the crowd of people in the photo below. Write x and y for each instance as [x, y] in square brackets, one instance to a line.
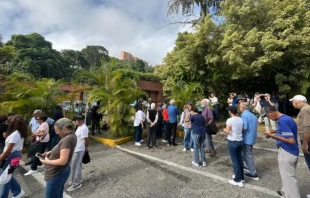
[241, 129]
[56, 145]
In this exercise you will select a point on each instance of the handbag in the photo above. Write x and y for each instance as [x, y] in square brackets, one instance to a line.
[212, 129]
[35, 147]
[6, 175]
[86, 158]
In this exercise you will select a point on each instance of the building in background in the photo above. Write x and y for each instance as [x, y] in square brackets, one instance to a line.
[129, 56]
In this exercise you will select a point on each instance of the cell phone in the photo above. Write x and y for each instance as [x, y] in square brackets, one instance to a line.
[39, 155]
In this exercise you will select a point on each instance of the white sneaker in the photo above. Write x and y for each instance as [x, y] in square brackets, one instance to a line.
[192, 150]
[308, 196]
[184, 149]
[204, 164]
[70, 183]
[41, 168]
[137, 144]
[240, 184]
[164, 141]
[194, 163]
[141, 141]
[71, 188]
[31, 172]
[20, 194]
[233, 176]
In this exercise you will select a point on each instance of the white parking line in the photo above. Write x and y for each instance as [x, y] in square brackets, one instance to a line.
[266, 149]
[204, 173]
[40, 178]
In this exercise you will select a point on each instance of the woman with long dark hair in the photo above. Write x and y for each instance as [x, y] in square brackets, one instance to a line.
[15, 135]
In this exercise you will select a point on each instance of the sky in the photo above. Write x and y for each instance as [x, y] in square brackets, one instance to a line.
[136, 26]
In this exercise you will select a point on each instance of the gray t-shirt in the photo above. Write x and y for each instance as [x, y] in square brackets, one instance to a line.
[67, 142]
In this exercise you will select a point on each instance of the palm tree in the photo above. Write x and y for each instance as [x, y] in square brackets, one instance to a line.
[188, 7]
[116, 93]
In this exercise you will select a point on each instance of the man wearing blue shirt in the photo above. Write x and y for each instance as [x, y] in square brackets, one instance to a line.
[249, 138]
[173, 113]
[286, 137]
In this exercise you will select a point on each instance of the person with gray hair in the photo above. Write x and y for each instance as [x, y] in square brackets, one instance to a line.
[152, 118]
[208, 116]
[33, 124]
[173, 113]
[58, 160]
[249, 137]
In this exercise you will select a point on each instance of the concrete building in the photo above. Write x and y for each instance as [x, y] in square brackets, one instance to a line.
[129, 56]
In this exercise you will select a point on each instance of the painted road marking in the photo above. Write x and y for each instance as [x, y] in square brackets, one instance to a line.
[39, 177]
[266, 149]
[204, 173]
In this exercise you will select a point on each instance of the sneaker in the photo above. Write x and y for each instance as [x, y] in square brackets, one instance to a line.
[164, 141]
[174, 144]
[31, 172]
[192, 150]
[212, 153]
[194, 163]
[20, 194]
[184, 149]
[254, 177]
[137, 144]
[280, 194]
[240, 184]
[246, 170]
[154, 147]
[204, 164]
[147, 147]
[141, 141]
[70, 183]
[233, 176]
[208, 151]
[71, 188]
[308, 196]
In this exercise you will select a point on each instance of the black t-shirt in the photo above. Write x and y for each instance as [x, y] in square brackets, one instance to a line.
[3, 128]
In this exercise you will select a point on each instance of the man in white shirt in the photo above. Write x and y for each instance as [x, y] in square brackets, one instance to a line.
[79, 151]
[215, 107]
[33, 122]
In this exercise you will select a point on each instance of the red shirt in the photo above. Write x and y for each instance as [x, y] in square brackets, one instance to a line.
[165, 115]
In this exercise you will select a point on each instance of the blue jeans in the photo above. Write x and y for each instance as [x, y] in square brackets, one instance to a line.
[55, 186]
[235, 150]
[209, 143]
[307, 156]
[248, 159]
[12, 185]
[165, 129]
[199, 144]
[188, 138]
[138, 133]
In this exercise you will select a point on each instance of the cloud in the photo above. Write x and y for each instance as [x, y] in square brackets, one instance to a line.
[136, 26]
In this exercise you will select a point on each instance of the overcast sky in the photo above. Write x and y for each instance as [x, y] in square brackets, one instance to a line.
[136, 26]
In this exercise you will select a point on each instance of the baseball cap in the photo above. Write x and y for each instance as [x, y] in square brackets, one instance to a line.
[79, 117]
[190, 102]
[299, 98]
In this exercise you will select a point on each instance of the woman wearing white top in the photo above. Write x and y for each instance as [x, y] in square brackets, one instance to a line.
[42, 135]
[16, 133]
[138, 124]
[234, 127]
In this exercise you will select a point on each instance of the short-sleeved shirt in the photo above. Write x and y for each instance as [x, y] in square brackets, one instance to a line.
[15, 138]
[138, 117]
[34, 124]
[303, 121]
[198, 124]
[46, 137]
[81, 133]
[250, 127]
[67, 142]
[287, 128]
[235, 133]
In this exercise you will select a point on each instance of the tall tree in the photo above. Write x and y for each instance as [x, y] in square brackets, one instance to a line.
[75, 59]
[94, 54]
[7, 54]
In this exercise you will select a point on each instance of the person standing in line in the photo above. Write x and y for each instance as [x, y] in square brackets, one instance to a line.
[15, 135]
[249, 138]
[257, 108]
[152, 118]
[159, 128]
[79, 151]
[173, 113]
[266, 102]
[303, 124]
[33, 122]
[188, 137]
[166, 121]
[43, 137]
[286, 137]
[208, 116]
[138, 124]
[57, 161]
[215, 106]
[199, 135]
[230, 99]
[234, 128]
